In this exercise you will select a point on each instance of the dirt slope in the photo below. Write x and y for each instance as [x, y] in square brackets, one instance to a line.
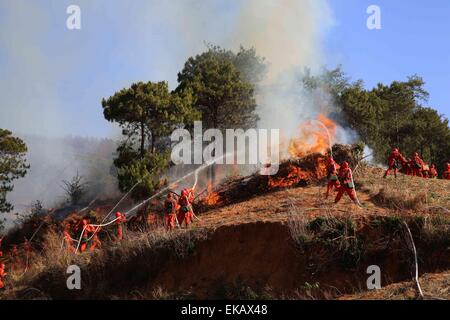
[286, 243]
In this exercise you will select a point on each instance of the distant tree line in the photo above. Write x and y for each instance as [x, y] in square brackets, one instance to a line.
[387, 116]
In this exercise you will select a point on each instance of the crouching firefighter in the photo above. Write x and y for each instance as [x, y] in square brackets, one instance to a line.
[170, 210]
[185, 212]
[417, 165]
[332, 175]
[346, 183]
[433, 172]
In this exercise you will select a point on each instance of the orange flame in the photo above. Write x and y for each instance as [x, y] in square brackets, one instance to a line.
[292, 174]
[212, 198]
[313, 137]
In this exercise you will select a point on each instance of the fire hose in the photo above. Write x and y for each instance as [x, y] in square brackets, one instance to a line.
[92, 225]
[139, 205]
[354, 188]
[112, 210]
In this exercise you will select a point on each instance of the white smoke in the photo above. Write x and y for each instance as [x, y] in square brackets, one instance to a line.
[288, 33]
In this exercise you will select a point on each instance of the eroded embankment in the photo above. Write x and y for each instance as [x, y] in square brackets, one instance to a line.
[321, 258]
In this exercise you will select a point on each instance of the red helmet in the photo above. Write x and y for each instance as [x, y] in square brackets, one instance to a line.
[85, 222]
[118, 214]
[185, 192]
[344, 165]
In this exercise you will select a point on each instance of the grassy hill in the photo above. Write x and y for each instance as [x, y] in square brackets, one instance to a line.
[281, 240]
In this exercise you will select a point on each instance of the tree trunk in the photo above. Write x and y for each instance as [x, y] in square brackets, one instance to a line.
[142, 140]
[153, 143]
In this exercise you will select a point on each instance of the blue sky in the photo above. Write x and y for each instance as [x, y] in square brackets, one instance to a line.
[52, 80]
[414, 38]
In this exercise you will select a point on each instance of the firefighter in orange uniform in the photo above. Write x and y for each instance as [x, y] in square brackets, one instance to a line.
[2, 275]
[393, 162]
[121, 219]
[68, 239]
[446, 174]
[185, 212]
[417, 165]
[433, 173]
[170, 208]
[85, 237]
[346, 179]
[96, 243]
[332, 174]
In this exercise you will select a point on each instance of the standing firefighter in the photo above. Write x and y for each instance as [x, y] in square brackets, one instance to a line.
[170, 210]
[85, 237]
[121, 219]
[68, 239]
[446, 174]
[96, 243]
[346, 185]
[393, 162]
[185, 212]
[332, 174]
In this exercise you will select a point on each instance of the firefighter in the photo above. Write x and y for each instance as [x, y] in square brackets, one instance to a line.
[406, 168]
[346, 183]
[2, 275]
[416, 165]
[446, 174]
[85, 237]
[333, 180]
[170, 208]
[96, 243]
[68, 239]
[120, 220]
[433, 173]
[393, 162]
[185, 212]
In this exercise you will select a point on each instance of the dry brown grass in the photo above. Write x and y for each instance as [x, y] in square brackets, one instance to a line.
[297, 223]
[52, 262]
[405, 192]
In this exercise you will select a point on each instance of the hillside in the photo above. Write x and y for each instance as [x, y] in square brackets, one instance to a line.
[282, 240]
